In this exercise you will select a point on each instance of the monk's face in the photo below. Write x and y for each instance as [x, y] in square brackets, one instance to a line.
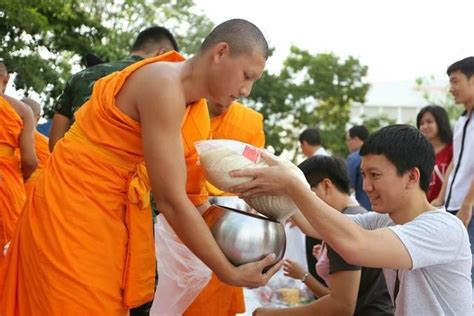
[232, 76]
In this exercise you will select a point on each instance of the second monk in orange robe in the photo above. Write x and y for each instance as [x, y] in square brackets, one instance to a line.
[236, 122]
[16, 134]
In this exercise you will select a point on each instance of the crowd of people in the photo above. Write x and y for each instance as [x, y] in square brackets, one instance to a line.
[388, 230]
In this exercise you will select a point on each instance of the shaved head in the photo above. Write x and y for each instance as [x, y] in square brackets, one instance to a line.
[4, 77]
[242, 37]
[3, 69]
[35, 107]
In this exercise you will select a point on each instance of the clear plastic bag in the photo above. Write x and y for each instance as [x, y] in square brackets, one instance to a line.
[282, 291]
[219, 157]
[181, 275]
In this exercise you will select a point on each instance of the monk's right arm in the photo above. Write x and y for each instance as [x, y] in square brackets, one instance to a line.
[26, 141]
[60, 126]
[161, 114]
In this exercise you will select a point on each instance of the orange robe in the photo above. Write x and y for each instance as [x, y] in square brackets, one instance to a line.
[84, 244]
[12, 192]
[42, 149]
[246, 125]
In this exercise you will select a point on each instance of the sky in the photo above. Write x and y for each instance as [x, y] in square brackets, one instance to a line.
[398, 40]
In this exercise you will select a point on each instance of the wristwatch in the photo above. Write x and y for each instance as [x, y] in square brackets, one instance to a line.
[303, 279]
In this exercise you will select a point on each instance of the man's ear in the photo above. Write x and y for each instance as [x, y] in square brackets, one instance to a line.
[327, 185]
[414, 177]
[220, 50]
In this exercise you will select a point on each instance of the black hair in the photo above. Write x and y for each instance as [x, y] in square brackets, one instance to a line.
[359, 131]
[405, 147]
[311, 136]
[319, 167]
[466, 66]
[152, 36]
[442, 121]
[242, 36]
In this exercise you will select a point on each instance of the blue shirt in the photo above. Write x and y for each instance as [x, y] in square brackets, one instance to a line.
[353, 166]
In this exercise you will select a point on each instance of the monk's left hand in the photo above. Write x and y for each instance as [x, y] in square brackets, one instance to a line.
[266, 181]
[251, 274]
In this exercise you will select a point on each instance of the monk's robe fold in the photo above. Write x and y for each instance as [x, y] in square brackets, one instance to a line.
[42, 149]
[12, 192]
[84, 243]
[246, 125]
[195, 127]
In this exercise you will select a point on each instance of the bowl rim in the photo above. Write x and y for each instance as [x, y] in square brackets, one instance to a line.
[247, 213]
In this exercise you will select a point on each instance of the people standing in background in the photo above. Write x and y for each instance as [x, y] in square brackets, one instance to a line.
[355, 138]
[311, 144]
[433, 123]
[454, 193]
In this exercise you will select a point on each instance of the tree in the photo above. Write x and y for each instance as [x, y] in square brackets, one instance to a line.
[43, 40]
[311, 90]
[375, 123]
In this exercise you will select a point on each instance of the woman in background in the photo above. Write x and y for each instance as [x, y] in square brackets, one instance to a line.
[433, 123]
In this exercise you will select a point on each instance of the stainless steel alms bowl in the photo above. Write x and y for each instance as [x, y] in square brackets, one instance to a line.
[245, 237]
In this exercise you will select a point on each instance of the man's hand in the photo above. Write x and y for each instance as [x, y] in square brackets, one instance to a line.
[317, 251]
[293, 270]
[272, 180]
[251, 275]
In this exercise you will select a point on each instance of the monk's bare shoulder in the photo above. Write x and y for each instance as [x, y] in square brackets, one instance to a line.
[21, 108]
[154, 85]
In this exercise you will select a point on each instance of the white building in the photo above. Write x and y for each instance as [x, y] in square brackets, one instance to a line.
[400, 101]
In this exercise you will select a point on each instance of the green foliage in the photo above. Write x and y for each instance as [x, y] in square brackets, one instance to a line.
[37, 38]
[310, 91]
[375, 123]
[43, 39]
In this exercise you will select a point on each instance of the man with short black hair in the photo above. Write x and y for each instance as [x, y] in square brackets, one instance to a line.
[424, 251]
[311, 144]
[355, 138]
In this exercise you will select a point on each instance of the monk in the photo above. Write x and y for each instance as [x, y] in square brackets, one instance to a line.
[16, 133]
[41, 141]
[93, 252]
[236, 122]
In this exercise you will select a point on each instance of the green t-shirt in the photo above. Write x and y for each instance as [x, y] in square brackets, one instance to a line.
[79, 87]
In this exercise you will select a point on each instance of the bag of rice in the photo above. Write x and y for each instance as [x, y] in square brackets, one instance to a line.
[218, 157]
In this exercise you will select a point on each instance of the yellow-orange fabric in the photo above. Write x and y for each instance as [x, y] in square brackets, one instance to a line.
[245, 125]
[12, 192]
[42, 149]
[196, 126]
[84, 243]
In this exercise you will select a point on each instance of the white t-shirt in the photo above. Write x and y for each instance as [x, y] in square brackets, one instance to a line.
[465, 174]
[440, 281]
